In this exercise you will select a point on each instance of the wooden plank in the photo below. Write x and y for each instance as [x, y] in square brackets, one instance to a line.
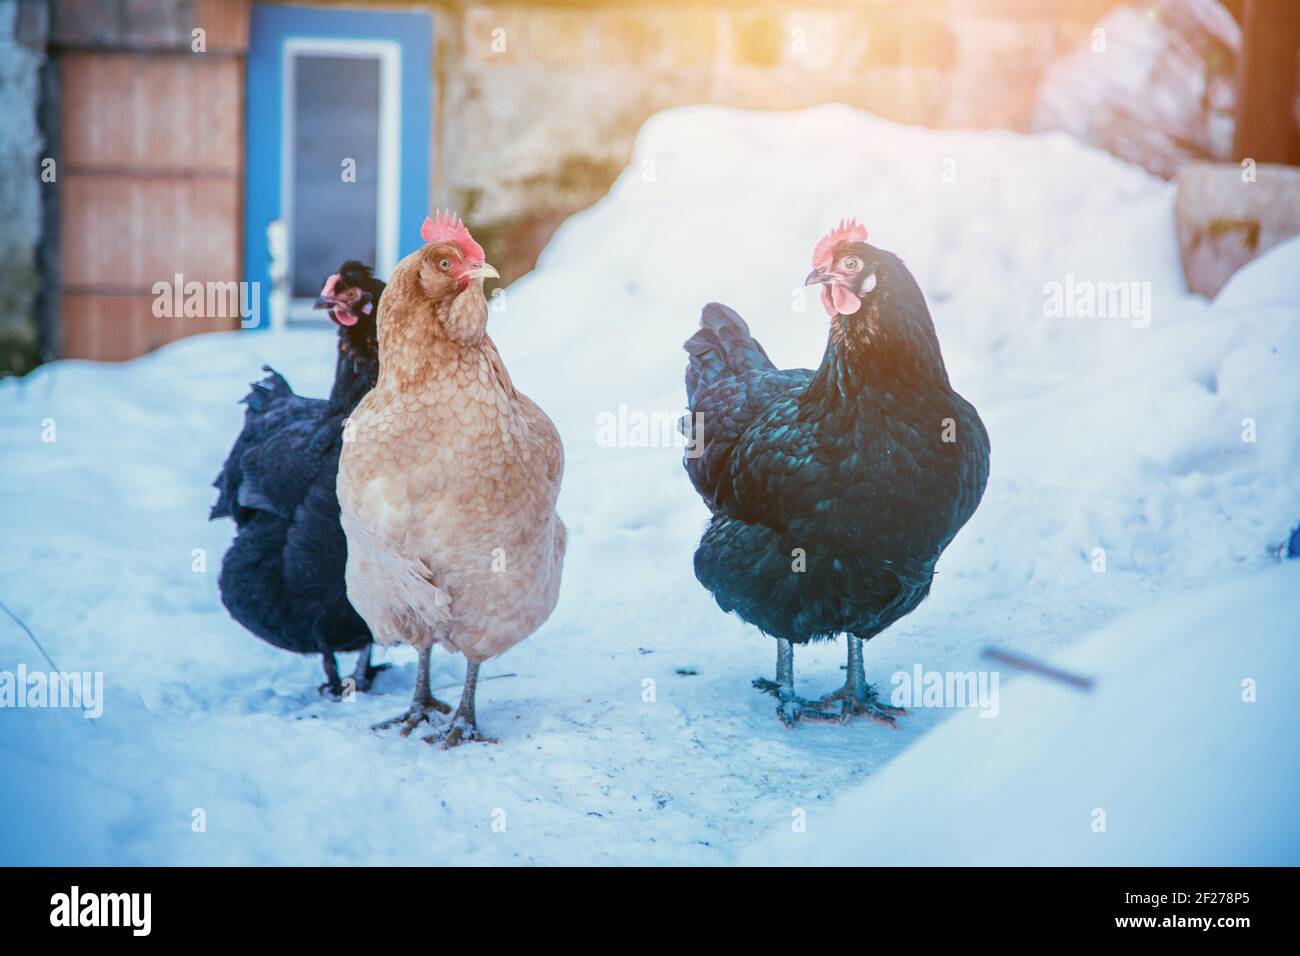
[107, 328]
[219, 100]
[162, 95]
[180, 111]
[114, 328]
[130, 231]
[95, 231]
[216, 229]
[95, 101]
[162, 226]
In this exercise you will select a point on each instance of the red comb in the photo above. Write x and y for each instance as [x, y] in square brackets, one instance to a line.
[849, 230]
[445, 226]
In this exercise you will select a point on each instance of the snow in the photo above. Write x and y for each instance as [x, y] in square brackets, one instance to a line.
[1271, 279]
[1177, 745]
[1105, 435]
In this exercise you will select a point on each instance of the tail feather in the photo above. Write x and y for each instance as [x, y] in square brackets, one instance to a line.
[722, 347]
[271, 387]
[265, 401]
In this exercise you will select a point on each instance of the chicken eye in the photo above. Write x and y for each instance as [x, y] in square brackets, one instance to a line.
[444, 264]
[852, 264]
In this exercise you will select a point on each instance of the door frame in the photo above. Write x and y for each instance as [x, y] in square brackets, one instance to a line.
[276, 33]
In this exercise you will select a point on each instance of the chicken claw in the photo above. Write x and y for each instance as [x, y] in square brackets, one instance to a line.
[414, 716]
[861, 701]
[423, 703]
[458, 732]
[792, 708]
[858, 698]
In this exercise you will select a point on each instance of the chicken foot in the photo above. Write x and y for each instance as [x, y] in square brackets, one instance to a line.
[463, 727]
[857, 698]
[790, 707]
[423, 703]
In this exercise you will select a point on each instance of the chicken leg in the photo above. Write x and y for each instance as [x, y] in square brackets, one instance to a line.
[463, 728]
[332, 686]
[422, 703]
[790, 707]
[363, 676]
[858, 698]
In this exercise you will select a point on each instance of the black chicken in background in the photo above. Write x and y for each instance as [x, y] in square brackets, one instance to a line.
[283, 577]
[833, 492]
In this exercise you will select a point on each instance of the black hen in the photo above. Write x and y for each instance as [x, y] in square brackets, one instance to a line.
[283, 577]
[833, 491]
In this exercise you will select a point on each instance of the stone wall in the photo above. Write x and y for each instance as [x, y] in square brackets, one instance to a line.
[23, 28]
[540, 102]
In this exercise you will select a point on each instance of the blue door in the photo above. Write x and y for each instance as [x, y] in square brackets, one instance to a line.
[339, 110]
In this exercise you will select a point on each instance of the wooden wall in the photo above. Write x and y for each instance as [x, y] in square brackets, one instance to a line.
[150, 178]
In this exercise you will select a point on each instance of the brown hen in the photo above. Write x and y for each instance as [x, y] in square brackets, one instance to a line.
[448, 481]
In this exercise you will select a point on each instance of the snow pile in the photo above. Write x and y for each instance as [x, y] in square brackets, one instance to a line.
[1175, 756]
[629, 731]
[1271, 280]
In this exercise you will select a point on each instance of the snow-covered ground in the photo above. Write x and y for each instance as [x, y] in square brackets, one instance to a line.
[1176, 755]
[1107, 434]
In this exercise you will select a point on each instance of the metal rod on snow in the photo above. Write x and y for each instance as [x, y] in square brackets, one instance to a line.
[1037, 667]
[28, 631]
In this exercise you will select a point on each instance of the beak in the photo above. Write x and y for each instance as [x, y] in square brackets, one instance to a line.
[323, 303]
[816, 277]
[483, 270]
